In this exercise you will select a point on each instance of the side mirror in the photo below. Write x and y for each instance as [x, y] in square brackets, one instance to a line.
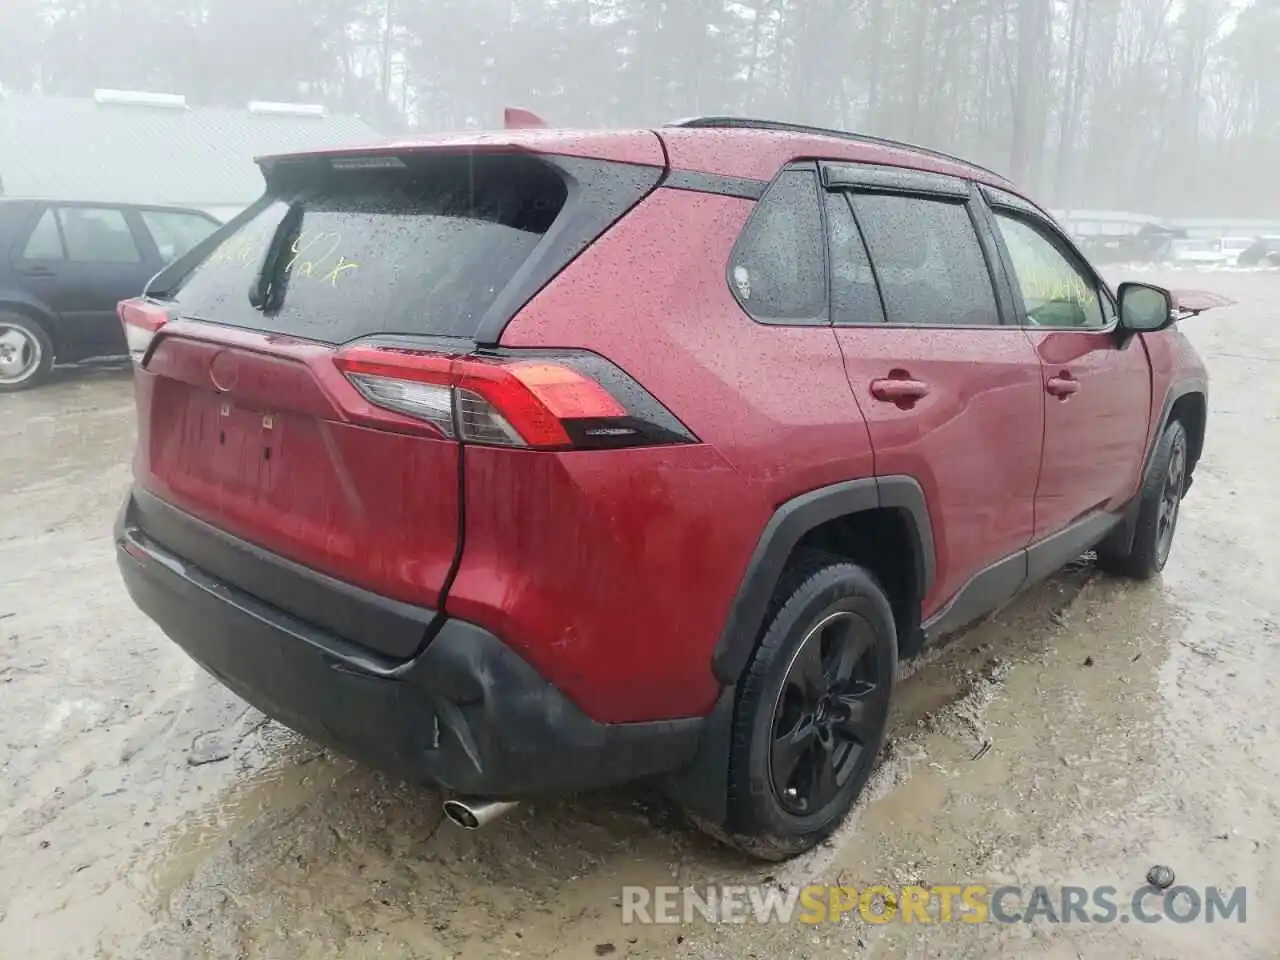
[1144, 308]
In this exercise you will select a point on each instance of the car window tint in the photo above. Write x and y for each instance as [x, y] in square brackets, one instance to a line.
[98, 235]
[1055, 291]
[854, 295]
[44, 242]
[778, 271]
[422, 248]
[175, 233]
[928, 259]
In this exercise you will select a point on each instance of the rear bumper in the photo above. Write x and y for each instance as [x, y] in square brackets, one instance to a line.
[467, 713]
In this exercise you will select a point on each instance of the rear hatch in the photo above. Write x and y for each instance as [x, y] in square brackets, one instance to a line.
[342, 501]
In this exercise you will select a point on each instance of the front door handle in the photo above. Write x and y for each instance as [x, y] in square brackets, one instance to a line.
[39, 272]
[1062, 387]
[902, 391]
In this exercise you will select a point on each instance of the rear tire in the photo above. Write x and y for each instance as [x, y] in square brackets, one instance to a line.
[1158, 509]
[812, 708]
[26, 353]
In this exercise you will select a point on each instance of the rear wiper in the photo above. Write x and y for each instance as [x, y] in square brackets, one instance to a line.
[267, 290]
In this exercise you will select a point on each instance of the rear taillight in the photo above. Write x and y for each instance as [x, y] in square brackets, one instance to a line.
[546, 402]
[141, 319]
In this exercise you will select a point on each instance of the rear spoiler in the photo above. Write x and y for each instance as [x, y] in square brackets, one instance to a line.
[172, 275]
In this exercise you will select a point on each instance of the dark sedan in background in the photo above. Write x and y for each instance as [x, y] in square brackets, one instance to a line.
[63, 268]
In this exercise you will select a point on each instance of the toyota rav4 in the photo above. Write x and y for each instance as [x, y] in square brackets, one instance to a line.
[534, 461]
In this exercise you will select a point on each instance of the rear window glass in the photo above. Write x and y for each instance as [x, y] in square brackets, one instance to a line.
[424, 249]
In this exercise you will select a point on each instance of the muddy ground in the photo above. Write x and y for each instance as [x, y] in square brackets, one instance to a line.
[145, 812]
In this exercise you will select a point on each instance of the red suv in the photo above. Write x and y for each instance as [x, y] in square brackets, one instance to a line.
[536, 460]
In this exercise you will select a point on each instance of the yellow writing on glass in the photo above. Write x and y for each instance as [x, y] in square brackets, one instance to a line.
[239, 250]
[1042, 282]
[313, 256]
[341, 267]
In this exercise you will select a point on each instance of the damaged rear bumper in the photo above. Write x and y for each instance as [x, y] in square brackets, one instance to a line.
[466, 713]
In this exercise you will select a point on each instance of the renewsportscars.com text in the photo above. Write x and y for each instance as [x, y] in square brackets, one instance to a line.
[967, 903]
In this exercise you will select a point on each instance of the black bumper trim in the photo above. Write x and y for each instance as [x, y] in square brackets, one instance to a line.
[380, 623]
[468, 713]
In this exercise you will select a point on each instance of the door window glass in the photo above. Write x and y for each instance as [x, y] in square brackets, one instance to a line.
[927, 256]
[855, 299]
[1055, 292]
[98, 235]
[44, 242]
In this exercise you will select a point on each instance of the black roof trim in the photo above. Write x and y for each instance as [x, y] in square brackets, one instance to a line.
[746, 123]
[695, 182]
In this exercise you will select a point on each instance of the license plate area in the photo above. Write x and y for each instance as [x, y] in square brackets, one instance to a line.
[245, 448]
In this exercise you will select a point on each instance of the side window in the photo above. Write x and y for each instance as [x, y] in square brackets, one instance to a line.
[778, 268]
[97, 235]
[175, 233]
[1055, 291]
[927, 256]
[855, 298]
[44, 242]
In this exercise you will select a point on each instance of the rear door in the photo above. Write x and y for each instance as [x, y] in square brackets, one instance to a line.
[1097, 386]
[38, 260]
[952, 395]
[82, 260]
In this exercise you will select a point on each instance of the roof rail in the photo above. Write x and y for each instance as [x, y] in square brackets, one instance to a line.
[746, 123]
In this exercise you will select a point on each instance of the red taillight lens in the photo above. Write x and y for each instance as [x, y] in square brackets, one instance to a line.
[533, 398]
[141, 319]
[560, 402]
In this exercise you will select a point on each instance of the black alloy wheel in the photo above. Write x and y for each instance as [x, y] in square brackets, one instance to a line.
[1175, 479]
[826, 714]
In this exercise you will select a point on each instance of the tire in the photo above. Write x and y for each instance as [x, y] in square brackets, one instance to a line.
[1158, 509]
[812, 708]
[26, 353]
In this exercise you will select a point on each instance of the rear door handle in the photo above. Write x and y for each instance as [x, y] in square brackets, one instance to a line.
[894, 390]
[39, 272]
[1062, 387]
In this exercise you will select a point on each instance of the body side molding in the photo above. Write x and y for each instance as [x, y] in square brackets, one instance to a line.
[996, 585]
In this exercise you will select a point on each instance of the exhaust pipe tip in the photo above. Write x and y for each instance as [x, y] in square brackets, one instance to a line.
[474, 814]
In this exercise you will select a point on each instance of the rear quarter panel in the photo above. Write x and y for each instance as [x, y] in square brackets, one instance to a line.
[614, 572]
